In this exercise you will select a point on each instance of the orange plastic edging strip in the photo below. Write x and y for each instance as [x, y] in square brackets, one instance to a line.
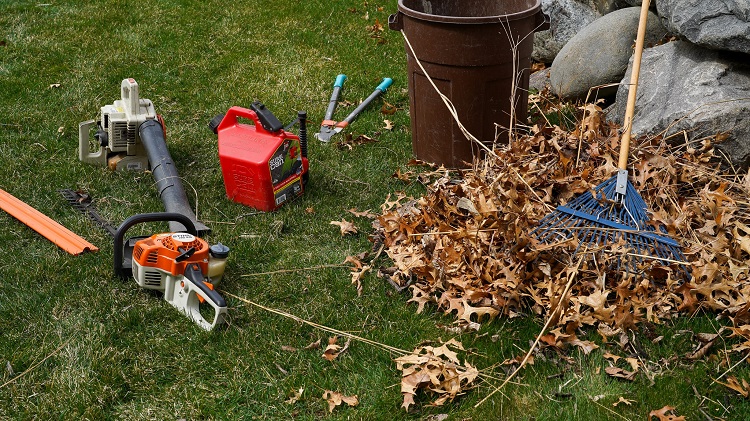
[41, 223]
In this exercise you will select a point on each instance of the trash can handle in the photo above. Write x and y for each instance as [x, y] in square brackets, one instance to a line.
[542, 21]
[395, 23]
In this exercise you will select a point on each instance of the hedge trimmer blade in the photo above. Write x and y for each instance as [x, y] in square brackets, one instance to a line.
[83, 203]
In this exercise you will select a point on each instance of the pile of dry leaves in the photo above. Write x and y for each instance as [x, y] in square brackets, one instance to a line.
[437, 369]
[466, 249]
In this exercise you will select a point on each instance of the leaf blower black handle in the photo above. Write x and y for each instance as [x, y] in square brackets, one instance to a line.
[119, 240]
[168, 182]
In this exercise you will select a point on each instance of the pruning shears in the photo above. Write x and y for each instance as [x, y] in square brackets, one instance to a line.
[330, 127]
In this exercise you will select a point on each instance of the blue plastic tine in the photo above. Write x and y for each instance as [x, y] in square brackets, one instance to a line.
[599, 220]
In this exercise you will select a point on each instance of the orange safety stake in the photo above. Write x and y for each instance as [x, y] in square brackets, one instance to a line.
[41, 223]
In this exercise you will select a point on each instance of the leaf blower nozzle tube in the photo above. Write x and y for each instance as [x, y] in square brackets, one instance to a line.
[168, 182]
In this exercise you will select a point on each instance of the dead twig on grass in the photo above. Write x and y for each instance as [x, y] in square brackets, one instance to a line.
[28, 370]
[295, 270]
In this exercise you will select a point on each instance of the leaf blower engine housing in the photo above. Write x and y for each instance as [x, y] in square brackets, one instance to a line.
[119, 146]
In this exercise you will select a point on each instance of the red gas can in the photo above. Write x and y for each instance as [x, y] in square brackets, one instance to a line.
[262, 169]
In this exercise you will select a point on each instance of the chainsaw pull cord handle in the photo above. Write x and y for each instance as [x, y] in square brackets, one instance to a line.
[119, 240]
[184, 254]
[630, 108]
[337, 85]
[379, 90]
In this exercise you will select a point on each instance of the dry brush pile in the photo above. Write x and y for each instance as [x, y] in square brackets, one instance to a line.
[465, 247]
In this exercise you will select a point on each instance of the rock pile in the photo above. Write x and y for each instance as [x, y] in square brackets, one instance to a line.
[695, 72]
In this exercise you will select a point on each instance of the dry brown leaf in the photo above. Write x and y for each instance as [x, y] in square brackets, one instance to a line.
[664, 414]
[349, 142]
[586, 346]
[388, 125]
[355, 261]
[620, 373]
[518, 360]
[365, 213]
[388, 109]
[345, 226]
[436, 370]
[357, 275]
[314, 345]
[741, 387]
[333, 350]
[403, 176]
[701, 352]
[335, 399]
[296, 396]
[623, 400]
[288, 348]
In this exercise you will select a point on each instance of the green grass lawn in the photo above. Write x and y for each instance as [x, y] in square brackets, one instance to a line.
[116, 351]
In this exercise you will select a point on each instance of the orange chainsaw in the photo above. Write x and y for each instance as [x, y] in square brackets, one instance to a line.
[179, 264]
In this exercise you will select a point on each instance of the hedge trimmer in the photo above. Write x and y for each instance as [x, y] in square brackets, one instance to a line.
[177, 263]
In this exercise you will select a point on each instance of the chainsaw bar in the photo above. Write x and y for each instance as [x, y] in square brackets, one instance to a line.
[83, 203]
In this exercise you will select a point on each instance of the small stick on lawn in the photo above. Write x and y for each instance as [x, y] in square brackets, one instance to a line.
[733, 367]
[350, 336]
[295, 270]
[321, 327]
[25, 372]
[610, 410]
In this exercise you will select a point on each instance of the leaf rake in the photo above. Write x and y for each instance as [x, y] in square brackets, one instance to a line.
[615, 211]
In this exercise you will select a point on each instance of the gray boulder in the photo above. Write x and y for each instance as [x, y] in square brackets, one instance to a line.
[602, 6]
[717, 24]
[539, 80]
[626, 3]
[686, 87]
[599, 53]
[567, 18]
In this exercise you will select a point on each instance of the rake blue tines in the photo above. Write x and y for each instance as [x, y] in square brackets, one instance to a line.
[600, 219]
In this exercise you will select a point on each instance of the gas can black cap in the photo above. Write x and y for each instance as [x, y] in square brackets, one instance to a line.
[219, 251]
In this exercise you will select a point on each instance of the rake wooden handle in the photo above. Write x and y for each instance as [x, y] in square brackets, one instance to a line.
[630, 108]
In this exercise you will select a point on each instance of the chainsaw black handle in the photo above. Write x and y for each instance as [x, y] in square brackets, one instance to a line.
[138, 219]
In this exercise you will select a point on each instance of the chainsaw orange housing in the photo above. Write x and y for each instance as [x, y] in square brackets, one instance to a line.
[261, 169]
[161, 251]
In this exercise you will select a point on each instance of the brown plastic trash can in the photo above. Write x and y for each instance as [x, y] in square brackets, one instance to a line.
[465, 46]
